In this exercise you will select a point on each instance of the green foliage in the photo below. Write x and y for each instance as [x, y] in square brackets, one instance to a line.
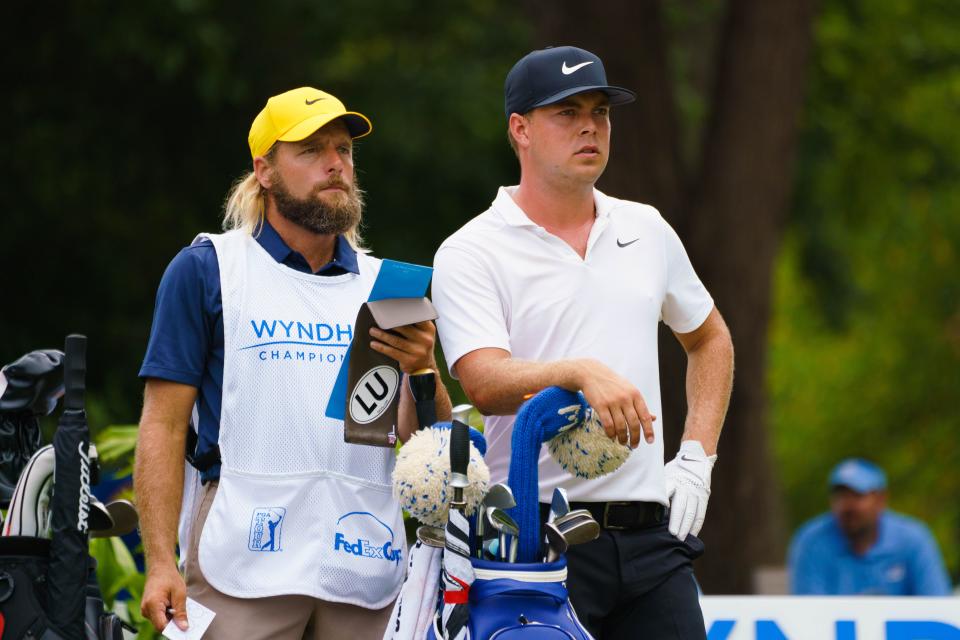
[116, 445]
[117, 571]
[132, 121]
[865, 342]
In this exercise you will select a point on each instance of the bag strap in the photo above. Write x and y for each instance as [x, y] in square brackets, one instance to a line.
[202, 462]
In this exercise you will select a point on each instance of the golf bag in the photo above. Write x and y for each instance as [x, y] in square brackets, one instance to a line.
[48, 587]
[519, 601]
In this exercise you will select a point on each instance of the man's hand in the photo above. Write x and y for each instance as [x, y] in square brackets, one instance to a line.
[412, 348]
[688, 488]
[618, 403]
[164, 589]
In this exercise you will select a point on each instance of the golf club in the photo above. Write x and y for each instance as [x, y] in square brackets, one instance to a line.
[431, 536]
[578, 530]
[556, 543]
[504, 525]
[124, 517]
[461, 412]
[99, 518]
[559, 505]
[490, 549]
[500, 496]
[573, 515]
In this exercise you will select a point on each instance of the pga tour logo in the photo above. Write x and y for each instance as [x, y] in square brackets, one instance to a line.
[265, 528]
[362, 534]
[373, 394]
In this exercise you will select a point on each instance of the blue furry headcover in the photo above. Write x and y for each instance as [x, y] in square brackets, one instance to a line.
[550, 412]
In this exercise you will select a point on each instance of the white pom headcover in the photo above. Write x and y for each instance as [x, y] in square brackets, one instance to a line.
[422, 475]
[586, 451]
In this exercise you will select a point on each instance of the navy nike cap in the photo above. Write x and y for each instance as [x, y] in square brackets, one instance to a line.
[549, 75]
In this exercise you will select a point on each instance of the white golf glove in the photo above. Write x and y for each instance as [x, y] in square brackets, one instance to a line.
[688, 488]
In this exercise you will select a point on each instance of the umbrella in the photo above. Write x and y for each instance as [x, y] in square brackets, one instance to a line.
[457, 570]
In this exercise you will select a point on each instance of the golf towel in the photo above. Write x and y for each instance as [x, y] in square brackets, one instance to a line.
[414, 610]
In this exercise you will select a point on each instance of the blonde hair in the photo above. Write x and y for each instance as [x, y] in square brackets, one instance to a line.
[244, 209]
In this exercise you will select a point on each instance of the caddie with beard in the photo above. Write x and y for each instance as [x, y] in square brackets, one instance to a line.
[285, 530]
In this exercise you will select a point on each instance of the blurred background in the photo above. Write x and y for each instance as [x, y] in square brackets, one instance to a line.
[807, 153]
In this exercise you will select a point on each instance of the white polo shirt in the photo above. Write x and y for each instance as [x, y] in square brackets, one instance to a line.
[503, 281]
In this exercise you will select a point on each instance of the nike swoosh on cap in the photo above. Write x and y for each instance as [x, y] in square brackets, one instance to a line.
[568, 70]
[309, 102]
[624, 244]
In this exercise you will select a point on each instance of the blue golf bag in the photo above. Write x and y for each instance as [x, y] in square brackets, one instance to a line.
[524, 600]
[519, 601]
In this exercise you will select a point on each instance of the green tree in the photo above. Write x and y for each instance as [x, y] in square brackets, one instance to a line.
[132, 120]
[865, 343]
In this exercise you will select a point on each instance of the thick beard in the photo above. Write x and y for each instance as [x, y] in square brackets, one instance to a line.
[318, 215]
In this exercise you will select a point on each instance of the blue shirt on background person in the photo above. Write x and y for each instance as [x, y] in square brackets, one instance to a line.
[861, 547]
[186, 339]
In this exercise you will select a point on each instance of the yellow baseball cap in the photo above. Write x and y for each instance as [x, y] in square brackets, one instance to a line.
[296, 114]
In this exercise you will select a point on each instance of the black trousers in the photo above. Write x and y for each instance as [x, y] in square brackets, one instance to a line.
[637, 585]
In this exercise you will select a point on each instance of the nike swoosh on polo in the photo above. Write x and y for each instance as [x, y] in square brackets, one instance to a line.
[309, 102]
[625, 244]
[568, 70]
[684, 457]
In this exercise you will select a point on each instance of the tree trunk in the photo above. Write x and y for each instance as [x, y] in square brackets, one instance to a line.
[730, 214]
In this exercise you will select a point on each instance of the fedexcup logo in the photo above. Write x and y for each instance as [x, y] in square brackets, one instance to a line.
[363, 525]
[373, 394]
[83, 512]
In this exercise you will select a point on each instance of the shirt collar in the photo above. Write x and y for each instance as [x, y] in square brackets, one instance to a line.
[514, 216]
[884, 544]
[344, 256]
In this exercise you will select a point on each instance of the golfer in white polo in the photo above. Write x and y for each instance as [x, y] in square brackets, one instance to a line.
[559, 284]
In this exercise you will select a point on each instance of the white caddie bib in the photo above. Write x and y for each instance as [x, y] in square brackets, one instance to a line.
[298, 510]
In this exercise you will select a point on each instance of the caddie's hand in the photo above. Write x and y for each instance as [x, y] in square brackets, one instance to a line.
[164, 589]
[412, 348]
[618, 403]
[688, 488]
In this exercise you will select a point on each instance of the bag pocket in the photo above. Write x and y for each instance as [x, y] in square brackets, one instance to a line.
[522, 600]
[324, 536]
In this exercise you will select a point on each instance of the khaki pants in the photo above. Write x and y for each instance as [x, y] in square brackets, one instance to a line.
[292, 617]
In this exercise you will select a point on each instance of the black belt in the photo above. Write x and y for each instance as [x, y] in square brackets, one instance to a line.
[618, 515]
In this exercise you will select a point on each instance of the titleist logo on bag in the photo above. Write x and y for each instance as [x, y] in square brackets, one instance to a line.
[83, 511]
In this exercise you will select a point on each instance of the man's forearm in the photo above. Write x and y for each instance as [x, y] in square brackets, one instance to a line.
[158, 467]
[709, 383]
[158, 482]
[499, 387]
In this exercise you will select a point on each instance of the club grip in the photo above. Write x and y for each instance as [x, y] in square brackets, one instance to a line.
[423, 386]
[459, 447]
[74, 371]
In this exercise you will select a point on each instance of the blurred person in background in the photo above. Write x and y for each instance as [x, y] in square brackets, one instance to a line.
[862, 548]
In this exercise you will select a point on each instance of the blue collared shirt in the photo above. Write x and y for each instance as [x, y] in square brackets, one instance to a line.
[186, 339]
[904, 561]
